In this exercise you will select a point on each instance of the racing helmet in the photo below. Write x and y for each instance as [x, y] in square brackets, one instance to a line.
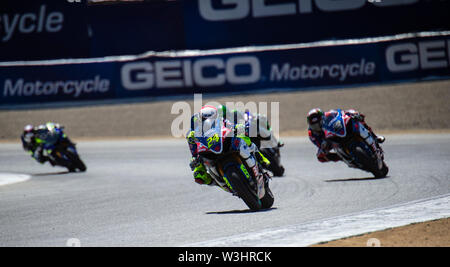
[28, 133]
[315, 119]
[50, 126]
[28, 129]
[208, 112]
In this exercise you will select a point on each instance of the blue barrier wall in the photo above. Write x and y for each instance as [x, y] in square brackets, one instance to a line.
[32, 30]
[135, 28]
[51, 29]
[399, 58]
[68, 82]
[211, 24]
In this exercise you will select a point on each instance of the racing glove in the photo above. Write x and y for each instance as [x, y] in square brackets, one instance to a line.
[201, 176]
[191, 137]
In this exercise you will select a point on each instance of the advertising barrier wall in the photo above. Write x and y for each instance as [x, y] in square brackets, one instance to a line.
[135, 28]
[303, 66]
[33, 30]
[216, 24]
[219, 23]
[54, 29]
[68, 82]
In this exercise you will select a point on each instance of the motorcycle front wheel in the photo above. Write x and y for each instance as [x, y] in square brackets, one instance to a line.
[76, 162]
[239, 183]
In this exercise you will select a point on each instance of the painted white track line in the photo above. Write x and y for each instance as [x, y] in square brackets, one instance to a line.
[340, 227]
[12, 178]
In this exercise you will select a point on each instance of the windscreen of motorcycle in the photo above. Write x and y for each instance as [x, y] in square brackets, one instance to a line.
[334, 125]
[210, 132]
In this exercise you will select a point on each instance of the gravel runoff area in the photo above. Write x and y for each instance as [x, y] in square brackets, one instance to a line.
[406, 107]
[427, 234]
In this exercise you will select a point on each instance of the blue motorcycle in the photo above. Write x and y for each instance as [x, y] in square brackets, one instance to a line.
[346, 135]
[59, 149]
[219, 152]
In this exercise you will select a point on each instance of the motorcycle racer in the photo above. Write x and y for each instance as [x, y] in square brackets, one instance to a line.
[30, 144]
[202, 120]
[36, 140]
[259, 129]
[315, 120]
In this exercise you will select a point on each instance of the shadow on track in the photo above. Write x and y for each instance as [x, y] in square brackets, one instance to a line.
[50, 173]
[240, 211]
[355, 179]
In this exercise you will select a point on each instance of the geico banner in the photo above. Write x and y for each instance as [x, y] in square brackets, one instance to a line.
[409, 58]
[418, 58]
[404, 58]
[32, 30]
[292, 68]
[230, 23]
[68, 82]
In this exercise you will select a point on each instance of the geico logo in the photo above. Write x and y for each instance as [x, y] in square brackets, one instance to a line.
[188, 73]
[424, 55]
[219, 10]
[30, 22]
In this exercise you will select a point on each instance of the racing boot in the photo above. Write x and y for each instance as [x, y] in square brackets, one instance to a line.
[247, 148]
[361, 118]
[380, 139]
[261, 159]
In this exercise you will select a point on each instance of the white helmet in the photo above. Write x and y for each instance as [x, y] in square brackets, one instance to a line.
[208, 112]
[28, 129]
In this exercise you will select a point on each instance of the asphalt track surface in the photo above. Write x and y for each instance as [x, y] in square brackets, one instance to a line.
[141, 193]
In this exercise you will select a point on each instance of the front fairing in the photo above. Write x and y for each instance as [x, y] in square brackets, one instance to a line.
[334, 124]
[210, 139]
[48, 139]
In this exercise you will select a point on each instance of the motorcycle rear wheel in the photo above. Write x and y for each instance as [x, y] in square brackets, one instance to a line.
[370, 164]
